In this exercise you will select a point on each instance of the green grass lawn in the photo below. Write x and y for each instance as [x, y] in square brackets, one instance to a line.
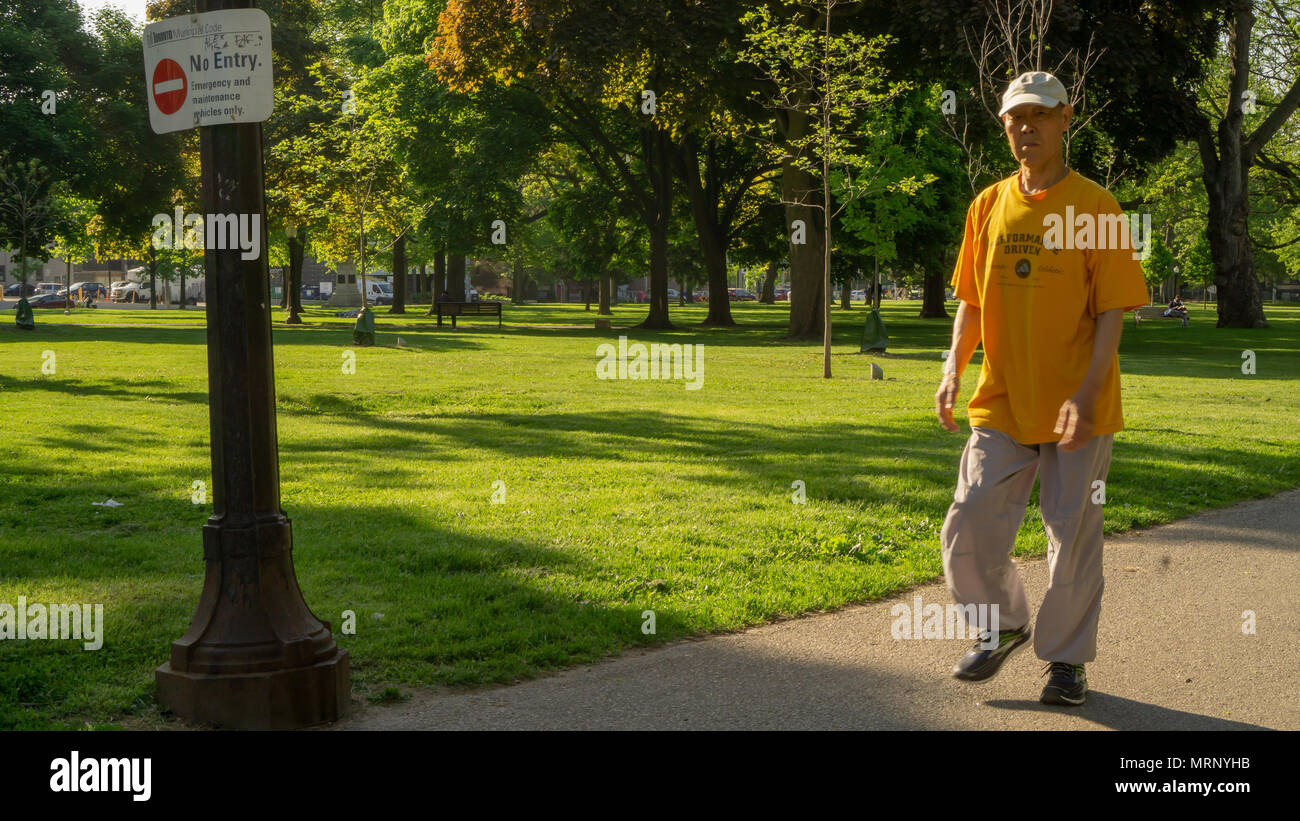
[620, 496]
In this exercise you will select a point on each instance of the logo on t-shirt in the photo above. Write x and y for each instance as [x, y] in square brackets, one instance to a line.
[1022, 268]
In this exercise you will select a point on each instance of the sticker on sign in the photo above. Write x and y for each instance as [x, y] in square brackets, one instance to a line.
[208, 69]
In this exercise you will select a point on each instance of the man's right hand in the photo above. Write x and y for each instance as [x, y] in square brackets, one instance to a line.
[945, 398]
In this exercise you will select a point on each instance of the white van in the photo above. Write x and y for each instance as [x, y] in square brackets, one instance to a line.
[195, 291]
[378, 292]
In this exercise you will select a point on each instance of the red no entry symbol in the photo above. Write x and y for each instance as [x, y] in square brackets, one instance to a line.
[169, 86]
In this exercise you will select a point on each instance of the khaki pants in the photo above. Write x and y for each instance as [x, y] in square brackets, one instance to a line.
[993, 486]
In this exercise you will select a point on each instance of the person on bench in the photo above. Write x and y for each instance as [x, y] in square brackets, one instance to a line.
[1176, 309]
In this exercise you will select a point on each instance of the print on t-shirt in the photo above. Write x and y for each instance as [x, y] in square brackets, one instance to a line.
[1038, 310]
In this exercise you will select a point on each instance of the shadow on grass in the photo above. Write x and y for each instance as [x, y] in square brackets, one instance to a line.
[322, 335]
[434, 604]
[107, 387]
[1165, 479]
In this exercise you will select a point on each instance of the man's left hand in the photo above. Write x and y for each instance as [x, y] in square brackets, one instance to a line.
[1074, 422]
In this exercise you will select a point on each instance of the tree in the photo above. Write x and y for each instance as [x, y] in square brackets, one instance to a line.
[1159, 264]
[828, 80]
[46, 57]
[75, 242]
[616, 77]
[724, 171]
[1229, 149]
[354, 181]
[300, 49]
[1198, 265]
[31, 218]
[763, 241]
[580, 213]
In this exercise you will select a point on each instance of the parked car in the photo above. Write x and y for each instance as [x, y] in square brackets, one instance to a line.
[782, 294]
[130, 292]
[858, 294]
[740, 295]
[48, 287]
[80, 290]
[50, 301]
[310, 292]
[19, 289]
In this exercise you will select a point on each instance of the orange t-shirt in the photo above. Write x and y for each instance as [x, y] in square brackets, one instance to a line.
[1039, 303]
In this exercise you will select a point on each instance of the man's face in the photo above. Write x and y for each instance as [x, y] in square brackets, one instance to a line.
[1034, 131]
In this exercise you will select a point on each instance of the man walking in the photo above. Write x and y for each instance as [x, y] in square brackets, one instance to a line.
[1047, 270]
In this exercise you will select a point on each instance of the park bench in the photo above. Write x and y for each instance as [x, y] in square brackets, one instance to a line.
[455, 309]
[1154, 312]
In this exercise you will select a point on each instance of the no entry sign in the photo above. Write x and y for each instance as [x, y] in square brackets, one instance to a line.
[208, 69]
[169, 86]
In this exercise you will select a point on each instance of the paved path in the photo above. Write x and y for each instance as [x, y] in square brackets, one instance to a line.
[1172, 656]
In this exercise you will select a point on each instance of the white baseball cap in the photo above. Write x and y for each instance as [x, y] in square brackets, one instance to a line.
[1034, 87]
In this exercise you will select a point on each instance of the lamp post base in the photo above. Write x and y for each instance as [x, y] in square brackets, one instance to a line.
[273, 700]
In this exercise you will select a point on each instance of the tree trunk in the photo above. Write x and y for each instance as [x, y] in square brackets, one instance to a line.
[439, 277]
[797, 190]
[932, 296]
[656, 152]
[456, 277]
[768, 295]
[806, 295]
[361, 264]
[153, 290]
[517, 289]
[877, 293]
[399, 276]
[846, 296]
[293, 286]
[606, 286]
[1234, 264]
[715, 266]
[713, 241]
[827, 242]
[1226, 175]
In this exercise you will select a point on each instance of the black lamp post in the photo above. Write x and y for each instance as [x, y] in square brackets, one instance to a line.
[254, 656]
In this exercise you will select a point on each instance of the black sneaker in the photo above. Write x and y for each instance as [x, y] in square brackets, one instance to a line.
[1068, 684]
[982, 662]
